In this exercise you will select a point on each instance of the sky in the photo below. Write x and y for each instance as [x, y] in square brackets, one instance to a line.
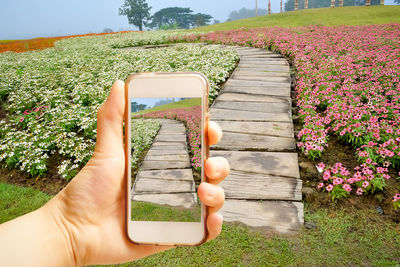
[21, 19]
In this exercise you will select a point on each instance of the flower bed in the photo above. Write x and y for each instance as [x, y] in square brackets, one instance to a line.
[191, 117]
[51, 96]
[347, 86]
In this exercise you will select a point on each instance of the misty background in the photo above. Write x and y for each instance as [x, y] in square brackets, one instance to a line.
[23, 19]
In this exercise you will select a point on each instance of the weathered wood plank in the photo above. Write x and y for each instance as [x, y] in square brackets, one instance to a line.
[272, 163]
[173, 146]
[168, 157]
[245, 141]
[245, 72]
[262, 128]
[178, 174]
[240, 115]
[263, 62]
[254, 106]
[264, 78]
[242, 185]
[259, 90]
[163, 165]
[266, 68]
[280, 216]
[186, 200]
[162, 186]
[156, 152]
[170, 138]
[236, 82]
[231, 97]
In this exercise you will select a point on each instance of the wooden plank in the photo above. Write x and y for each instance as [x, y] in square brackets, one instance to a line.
[265, 68]
[162, 186]
[261, 128]
[240, 115]
[163, 165]
[237, 82]
[177, 174]
[279, 216]
[173, 146]
[259, 90]
[278, 107]
[170, 138]
[168, 157]
[248, 72]
[263, 62]
[264, 78]
[245, 141]
[242, 185]
[185, 200]
[272, 163]
[155, 152]
[232, 97]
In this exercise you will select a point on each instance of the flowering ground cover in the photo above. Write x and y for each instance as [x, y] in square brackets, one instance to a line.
[347, 86]
[143, 132]
[49, 98]
[40, 43]
[191, 117]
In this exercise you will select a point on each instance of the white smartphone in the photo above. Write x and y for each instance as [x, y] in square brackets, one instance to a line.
[165, 148]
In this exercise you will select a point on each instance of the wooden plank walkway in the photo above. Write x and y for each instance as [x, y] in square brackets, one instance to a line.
[165, 176]
[254, 112]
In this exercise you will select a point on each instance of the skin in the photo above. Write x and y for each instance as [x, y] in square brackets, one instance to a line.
[85, 222]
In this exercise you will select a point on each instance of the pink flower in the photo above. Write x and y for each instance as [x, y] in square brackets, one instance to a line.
[21, 119]
[320, 185]
[360, 191]
[365, 184]
[329, 188]
[347, 187]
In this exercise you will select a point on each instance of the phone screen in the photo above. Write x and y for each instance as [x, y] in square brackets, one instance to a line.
[166, 161]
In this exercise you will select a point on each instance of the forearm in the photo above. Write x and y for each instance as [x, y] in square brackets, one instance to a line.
[35, 239]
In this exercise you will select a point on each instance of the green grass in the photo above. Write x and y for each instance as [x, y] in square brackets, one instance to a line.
[343, 237]
[144, 211]
[16, 201]
[323, 16]
[181, 104]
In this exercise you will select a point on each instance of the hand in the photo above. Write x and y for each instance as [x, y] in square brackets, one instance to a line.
[90, 211]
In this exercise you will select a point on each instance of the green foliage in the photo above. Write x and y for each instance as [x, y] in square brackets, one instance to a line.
[244, 13]
[361, 15]
[178, 17]
[137, 12]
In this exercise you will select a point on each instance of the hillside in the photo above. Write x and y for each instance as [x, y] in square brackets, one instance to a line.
[324, 16]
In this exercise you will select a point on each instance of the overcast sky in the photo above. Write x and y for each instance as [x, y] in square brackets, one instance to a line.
[21, 19]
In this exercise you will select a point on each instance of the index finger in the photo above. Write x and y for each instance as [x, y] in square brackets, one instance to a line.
[214, 133]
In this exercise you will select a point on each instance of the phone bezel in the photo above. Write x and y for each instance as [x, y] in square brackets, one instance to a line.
[176, 84]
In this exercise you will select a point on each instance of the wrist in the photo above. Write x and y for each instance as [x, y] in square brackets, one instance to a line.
[61, 234]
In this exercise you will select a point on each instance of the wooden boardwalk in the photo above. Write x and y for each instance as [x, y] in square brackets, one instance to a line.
[254, 112]
[165, 176]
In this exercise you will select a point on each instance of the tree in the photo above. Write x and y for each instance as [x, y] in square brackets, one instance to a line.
[397, 1]
[137, 12]
[201, 19]
[171, 15]
[182, 17]
[217, 21]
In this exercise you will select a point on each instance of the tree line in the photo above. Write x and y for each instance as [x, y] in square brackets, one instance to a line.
[138, 14]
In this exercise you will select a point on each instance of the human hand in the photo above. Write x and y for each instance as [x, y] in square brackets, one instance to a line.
[90, 211]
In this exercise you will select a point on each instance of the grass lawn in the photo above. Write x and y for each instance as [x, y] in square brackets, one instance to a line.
[342, 237]
[181, 104]
[323, 16]
[144, 211]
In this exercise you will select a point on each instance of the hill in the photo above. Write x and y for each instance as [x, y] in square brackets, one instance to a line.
[324, 16]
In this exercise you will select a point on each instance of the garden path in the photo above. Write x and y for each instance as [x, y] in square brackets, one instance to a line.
[165, 176]
[253, 109]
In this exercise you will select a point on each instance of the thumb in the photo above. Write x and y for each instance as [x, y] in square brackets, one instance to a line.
[110, 117]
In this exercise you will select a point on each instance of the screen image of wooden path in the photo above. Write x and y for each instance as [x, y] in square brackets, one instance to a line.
[165, 176]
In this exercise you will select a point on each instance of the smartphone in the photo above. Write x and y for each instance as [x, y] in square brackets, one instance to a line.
[165, 148]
